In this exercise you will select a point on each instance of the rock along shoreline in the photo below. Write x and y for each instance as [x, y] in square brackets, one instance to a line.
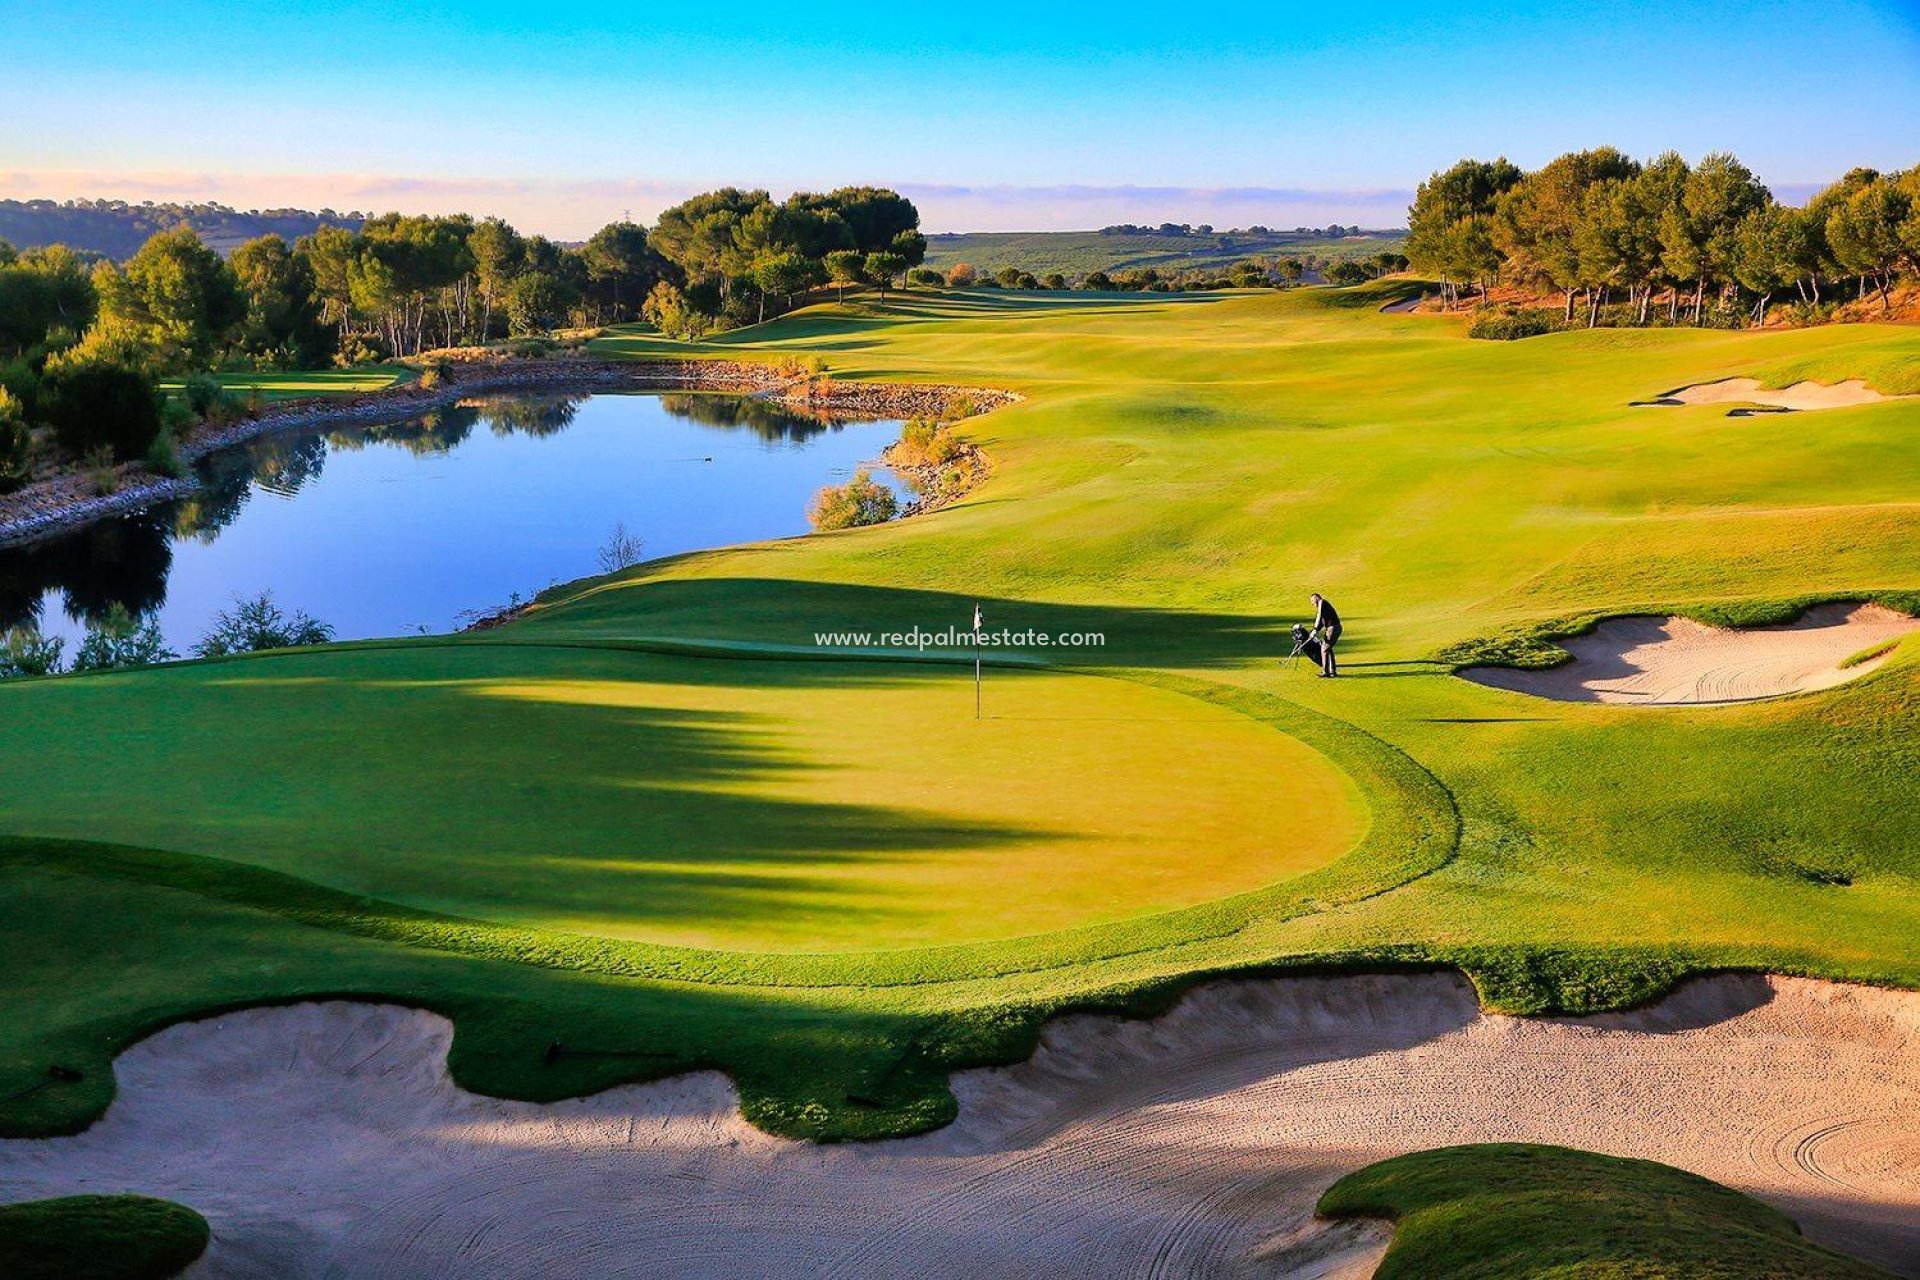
[60, 503]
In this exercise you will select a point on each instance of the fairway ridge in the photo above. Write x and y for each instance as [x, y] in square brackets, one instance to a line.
[1201, 1138]
[1672, 661]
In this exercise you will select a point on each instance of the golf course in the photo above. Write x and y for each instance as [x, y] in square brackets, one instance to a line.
[712, 814]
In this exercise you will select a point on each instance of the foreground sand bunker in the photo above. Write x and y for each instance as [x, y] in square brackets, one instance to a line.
[326, 1139]
[1798, 396]
[1675, 661]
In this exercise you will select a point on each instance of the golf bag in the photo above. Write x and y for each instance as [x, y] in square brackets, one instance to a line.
[1306, 644]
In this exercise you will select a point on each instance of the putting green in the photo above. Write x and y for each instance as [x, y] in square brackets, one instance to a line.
[707, 802]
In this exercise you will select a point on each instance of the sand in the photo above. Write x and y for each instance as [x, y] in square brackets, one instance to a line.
[1801, 395]
[1648, 661]
[325, 1140]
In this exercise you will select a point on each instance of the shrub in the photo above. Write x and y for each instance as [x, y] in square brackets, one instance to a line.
[1505, 324]
[256, 624]
[925, 278]
[962, 275]
[623, 550]
[1097, 280]
[926, 443]
[93, 404]
[1007, 277]
[1054, 280]
[121, 640]
[860, 501]
[359, 349]
[16, 442]
[27, 653]
[202, 392]
[163, 459]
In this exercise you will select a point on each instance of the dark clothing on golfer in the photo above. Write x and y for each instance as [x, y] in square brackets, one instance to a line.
[1327, 622]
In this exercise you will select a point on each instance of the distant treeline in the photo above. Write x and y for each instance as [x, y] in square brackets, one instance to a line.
[1709, 239]
[116, 228]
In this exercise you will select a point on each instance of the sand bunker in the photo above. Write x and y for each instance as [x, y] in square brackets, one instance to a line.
[325, 1140]
[1801, 395]
[1674, 661]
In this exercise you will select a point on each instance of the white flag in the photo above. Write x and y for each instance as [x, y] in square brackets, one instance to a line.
[978, 625]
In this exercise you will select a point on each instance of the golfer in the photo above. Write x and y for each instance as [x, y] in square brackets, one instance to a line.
[1326, 625]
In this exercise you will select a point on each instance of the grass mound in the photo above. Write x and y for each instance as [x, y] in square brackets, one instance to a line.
[1509, 1211]
[99, 1238]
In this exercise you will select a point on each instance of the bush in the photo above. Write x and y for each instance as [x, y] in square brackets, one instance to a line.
[1054, 280]
[1504, 324]
[16, 442]
[925, 443]
[925, 278]
[202, 392]
[1343, 274]
[962, 275]
[256, 624]
[360, 349]
[121, 640]
[163, 459]
[92, 405]
[27, 653]
[1099, 280]
[860, 501]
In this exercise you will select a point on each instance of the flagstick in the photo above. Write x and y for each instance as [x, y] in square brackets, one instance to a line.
[976, 662]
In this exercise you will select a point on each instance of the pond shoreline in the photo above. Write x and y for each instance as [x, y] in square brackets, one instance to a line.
[64, 502]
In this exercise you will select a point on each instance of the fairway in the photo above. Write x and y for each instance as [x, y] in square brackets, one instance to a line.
[715, 803]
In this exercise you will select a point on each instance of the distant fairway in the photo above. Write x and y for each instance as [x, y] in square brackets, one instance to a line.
[821, 877]
[752, 805]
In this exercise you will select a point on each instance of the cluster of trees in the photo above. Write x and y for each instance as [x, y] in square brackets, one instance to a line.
[737, 256]
[1332, 231]
[1598, 225]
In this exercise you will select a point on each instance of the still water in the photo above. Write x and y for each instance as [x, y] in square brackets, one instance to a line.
[401, 529]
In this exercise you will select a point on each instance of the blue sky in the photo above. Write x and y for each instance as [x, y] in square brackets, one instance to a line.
[993, 116]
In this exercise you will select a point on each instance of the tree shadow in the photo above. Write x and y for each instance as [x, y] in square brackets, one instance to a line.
[793, 616]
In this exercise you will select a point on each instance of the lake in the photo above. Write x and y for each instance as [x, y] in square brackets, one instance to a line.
[405, 529]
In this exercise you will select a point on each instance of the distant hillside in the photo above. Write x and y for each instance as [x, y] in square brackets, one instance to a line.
[1075, 253]
[117, 229]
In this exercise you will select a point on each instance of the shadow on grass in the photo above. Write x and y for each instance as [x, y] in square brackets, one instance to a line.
[787, 616]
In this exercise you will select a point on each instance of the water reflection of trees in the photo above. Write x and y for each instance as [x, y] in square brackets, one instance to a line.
[536, 416]
[775, 423]
[120, 562]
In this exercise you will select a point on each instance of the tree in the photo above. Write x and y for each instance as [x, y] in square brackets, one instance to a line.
[619, 263]
[15, 442]
[537, 302]
[845, 267]
[1764, 254]
[1537, 221]
[1291, 271]
[258, 624]
[876, 216]
[928, 278]
[1054, 280]
[283, 322]
[785, 273]
[498, 255]
[330, 253]
[178, 295]
[880, 270]
[961, 275]
[1448, 229]
[46, 295]
[1865, 233]
[1008, 277]
[1343, 274]
[1096, 280]
[667, 310]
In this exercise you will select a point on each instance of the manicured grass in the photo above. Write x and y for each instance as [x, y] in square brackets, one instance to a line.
[1514, 1212]
[748, 805]
[1184, 470]
[315, 382]
[99, 1238]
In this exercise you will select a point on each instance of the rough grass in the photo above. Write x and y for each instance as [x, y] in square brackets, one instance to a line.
[1512, 1211]
[1183, 472]
[99, 1238]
